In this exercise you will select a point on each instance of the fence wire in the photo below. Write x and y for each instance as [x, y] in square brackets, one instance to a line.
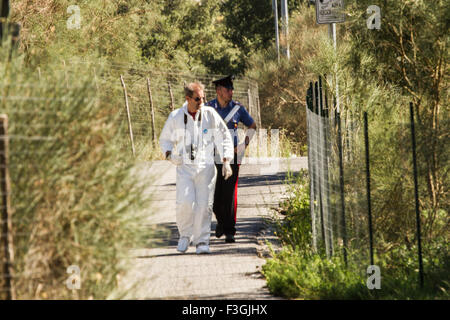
[41, 128]
[166, 89]
[338, 197]
[364, 187]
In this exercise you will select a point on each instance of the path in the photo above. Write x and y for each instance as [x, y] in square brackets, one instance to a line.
[230, 271]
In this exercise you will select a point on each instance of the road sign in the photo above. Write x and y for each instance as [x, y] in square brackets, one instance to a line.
[330, 11]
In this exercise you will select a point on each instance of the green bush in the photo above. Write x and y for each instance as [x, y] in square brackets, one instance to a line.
[297, 272]
[294, 273]
[75, 200]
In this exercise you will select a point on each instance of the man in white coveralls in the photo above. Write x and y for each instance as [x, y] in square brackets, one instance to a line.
[187, 140]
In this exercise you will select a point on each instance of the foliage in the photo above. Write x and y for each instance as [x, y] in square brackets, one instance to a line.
[283, 85]
[104, 31]
[297, 272]
[202, 38]
[75, 199]
[410, 53]
[296, 211]
[379, 71]
[177, 35]
[249, 26]
[248, 34]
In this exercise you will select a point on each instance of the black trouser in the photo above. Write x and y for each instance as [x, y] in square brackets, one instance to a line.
[225, 199]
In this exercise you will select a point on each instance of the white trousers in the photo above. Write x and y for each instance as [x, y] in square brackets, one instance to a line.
[195, 196]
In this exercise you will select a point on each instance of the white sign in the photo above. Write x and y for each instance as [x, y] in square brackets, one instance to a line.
[330, 11]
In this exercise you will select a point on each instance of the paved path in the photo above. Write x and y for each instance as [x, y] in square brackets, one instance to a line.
[231, 271]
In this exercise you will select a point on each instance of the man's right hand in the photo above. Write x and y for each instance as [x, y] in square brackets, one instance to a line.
[175, 159]
[226, 170]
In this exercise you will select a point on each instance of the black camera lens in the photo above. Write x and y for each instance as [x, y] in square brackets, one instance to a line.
[193, 152]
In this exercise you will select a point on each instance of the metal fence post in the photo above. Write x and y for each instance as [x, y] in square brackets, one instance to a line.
[249, 102]
[172, 104]
[341, 184]
[324, 120]
[309, 108]
[6, 235]
[258, 109]
[369, 207]
[128, 115]
[416, 195]
[319, 171]
[152, 111]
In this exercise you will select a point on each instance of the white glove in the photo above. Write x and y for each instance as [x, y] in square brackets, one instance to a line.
[226, 170]
[240, 150]
[175, 159]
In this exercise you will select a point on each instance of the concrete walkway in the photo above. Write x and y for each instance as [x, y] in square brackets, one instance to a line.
[230, 271]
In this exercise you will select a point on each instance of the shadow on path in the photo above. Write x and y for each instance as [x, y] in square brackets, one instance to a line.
[247, 229]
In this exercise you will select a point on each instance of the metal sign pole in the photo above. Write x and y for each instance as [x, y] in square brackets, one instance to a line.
[285, 26]
[277, 39]
[332, 34]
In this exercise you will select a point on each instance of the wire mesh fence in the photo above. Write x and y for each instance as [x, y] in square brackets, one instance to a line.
[152, 94]
[19, 155]
[49, 131]
[352, 213]
[56, 168]
[33, 129]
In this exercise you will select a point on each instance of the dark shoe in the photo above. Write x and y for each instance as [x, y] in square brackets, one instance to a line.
[219, 231]
[229, 238]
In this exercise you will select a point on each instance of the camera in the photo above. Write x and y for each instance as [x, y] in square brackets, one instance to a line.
[193, 152]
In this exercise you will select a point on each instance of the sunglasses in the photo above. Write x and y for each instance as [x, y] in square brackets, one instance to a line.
[198, 99]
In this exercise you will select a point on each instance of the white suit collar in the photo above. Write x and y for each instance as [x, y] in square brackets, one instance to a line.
[185, 108]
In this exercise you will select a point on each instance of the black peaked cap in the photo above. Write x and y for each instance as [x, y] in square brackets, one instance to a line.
[226, 82]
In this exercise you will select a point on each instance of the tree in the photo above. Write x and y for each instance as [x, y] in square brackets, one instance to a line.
[249, 26]
[191, 32]
[411, 51]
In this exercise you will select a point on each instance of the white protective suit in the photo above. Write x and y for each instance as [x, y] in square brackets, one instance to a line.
[195, 179]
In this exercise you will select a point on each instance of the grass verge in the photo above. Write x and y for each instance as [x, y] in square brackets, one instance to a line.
[297, 272]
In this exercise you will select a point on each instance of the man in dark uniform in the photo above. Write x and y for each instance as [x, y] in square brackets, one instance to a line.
[225, 195]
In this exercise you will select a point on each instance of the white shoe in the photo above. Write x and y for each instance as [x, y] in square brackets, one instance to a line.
[183, 244]
[202, 248]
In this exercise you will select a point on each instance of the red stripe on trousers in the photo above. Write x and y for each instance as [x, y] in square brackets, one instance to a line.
[235, 196]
